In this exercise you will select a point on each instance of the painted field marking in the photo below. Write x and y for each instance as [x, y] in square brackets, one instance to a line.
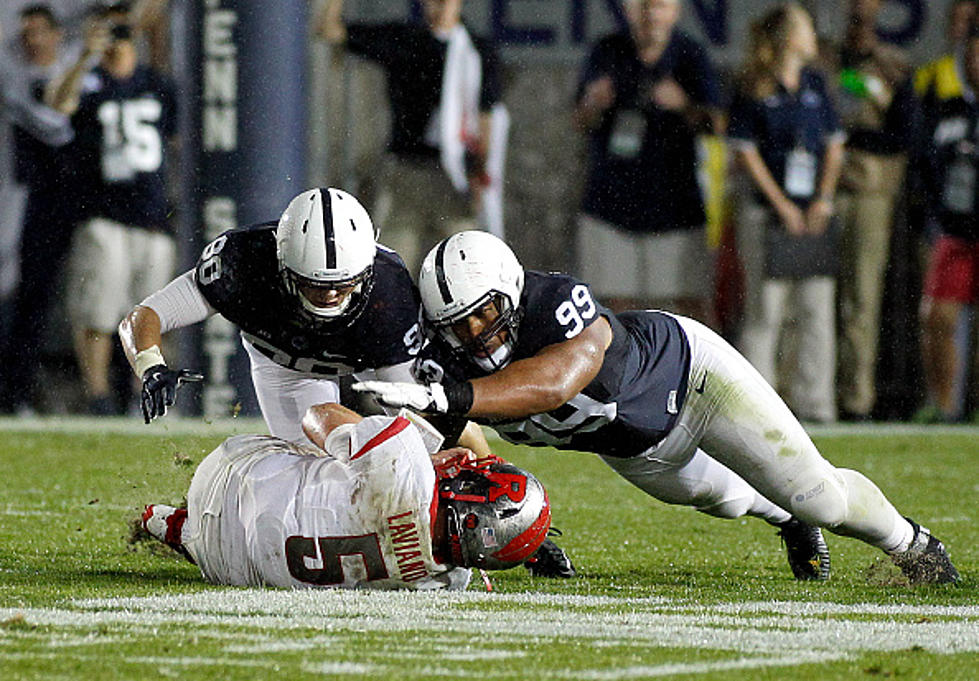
[763, 634]
[186, 425]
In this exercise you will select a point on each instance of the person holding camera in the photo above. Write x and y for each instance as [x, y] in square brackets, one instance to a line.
[124, 113]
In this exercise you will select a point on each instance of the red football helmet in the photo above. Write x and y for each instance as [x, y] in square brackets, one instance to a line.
[497, 515]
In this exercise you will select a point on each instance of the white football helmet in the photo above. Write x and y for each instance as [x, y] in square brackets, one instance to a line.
[460, 276]
[496, 516]
[325, 240]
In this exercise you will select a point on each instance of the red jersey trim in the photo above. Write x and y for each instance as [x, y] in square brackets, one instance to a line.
[393, 429]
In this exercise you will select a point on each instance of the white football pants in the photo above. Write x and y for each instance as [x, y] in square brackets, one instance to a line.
[734, 424]
[284, 394]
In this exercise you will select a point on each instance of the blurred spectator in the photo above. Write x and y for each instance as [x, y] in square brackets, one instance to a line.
[950, 188]
[443, 170]
[124, 114]
[877, 108]
[643, 96]
[49, 212]
[787, 138]
[18, 106]
[942, 72]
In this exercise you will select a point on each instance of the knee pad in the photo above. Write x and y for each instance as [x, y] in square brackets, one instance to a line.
[820, 500]
[730, 508]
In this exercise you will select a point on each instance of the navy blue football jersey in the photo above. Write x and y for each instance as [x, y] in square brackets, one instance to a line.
[628, 407]
[238, 274]
[121, 132]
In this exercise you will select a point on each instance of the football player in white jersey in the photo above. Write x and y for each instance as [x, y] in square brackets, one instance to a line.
[374, 505]
[665, 401]
[315, 298]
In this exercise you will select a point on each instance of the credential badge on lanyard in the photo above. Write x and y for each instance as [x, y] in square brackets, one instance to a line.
[800, 173]
[959, 195]
[628, 133]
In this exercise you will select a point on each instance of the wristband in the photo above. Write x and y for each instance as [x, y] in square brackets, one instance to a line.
[459, 398]
[144, 359]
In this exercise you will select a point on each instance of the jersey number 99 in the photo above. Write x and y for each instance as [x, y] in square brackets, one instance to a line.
[575, 312]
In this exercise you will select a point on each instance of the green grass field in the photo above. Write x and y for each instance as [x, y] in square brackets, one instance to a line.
[662, 592]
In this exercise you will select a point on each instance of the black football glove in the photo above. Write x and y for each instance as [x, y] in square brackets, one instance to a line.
[160, 385]
[550, 560]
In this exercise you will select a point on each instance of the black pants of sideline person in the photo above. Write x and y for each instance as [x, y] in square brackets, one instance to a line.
[49, 221]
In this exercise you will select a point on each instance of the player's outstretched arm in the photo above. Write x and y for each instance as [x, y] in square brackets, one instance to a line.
[545, 381]
[178, 304]
[141, 337]
[320, 420]
[529, 386]
[138, 331]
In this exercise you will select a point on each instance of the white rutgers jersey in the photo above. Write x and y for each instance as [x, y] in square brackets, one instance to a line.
[266, 512]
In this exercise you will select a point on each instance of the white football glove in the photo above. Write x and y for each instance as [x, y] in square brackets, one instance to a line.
[429, 399]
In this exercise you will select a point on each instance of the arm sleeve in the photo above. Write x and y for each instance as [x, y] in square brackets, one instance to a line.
[490, 88]
[742, 126]
[377, 42]
[47, 125]
[700, 78]
[591, 69]
[179, 303]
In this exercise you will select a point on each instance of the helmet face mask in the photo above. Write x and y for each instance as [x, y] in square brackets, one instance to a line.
[470, 285]
[333, 300]
[496, 323]
[325, 248]
[496, 516]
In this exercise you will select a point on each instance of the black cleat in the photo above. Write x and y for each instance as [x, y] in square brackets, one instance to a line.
[805, 550]
[550, 560]
[926, 561]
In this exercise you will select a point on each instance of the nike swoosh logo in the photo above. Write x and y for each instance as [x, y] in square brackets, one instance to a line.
[703, 381]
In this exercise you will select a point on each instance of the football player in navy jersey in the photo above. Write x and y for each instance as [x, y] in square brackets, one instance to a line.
[315, 298]
[666, 403]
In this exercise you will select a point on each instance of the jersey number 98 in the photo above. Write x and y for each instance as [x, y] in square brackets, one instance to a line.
[209, 270]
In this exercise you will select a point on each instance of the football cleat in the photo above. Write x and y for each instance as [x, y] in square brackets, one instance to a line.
[550, 560]
[165, 523]
[926, 561]
[805, 550]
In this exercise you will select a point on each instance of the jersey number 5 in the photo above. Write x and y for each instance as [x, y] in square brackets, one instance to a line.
[573, 313]
[316, 560]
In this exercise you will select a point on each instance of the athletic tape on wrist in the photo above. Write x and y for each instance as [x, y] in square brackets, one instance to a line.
[150, 357]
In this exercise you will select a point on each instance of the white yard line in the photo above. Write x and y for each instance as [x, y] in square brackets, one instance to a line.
[186, 425]
[773, 629]
[123, 425]
[473, 626]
